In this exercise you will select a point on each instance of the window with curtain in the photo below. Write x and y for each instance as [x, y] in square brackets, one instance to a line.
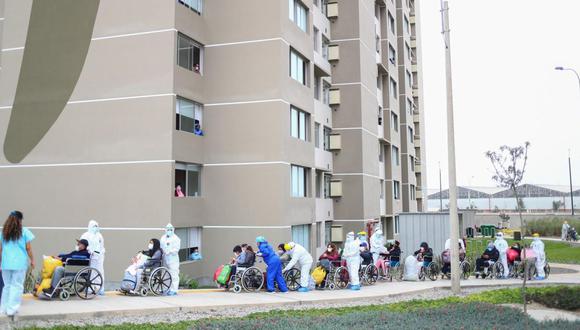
[190, 241]
[188, 116]
[298, 67]
[299, 181]
[301, 235]
[299, 124]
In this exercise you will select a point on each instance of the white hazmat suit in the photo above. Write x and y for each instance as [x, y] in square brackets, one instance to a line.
[565, 228]
[304, 259]
[448, 244]
[352, 255]
[377, 245]
[502, 246]
[538, 247]
[96, 248]
[170, 245]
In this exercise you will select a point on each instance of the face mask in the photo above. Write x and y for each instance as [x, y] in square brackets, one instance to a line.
[150, 246]
[329, 249]
[362, 249]
[490, 247]
[169, 233]
[280, 252]
[77, 248]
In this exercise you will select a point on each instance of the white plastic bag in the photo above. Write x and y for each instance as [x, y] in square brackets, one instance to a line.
[411, 269]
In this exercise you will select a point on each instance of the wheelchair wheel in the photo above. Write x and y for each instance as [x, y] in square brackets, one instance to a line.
[252, 279]
[237, 288]
[292, 278]
[422, 274]
[371, 274]
[87, 283]
[465, 270]
[332, 286]
[497, 270]
[433, 271]
[397, 272]
[64, 295]
[547, 269]
[341, 277]
[160, 281]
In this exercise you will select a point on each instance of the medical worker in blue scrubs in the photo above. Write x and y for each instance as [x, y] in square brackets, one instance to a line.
[274, 270]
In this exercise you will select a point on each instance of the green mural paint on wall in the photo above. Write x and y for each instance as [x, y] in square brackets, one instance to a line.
[57, 42]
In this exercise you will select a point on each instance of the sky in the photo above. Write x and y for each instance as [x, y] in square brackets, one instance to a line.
[505, 88]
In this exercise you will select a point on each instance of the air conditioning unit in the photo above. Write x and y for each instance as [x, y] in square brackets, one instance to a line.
[336, 234]
[332, 10]
[335, 142]
[336, 188]
[334, 96]
[333, 53]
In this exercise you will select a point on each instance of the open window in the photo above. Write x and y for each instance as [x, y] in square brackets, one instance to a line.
[187, 180]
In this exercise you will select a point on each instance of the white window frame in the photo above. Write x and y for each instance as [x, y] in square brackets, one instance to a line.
[395, 156]
[299, 124]
[317, 135]
[190, 237]
[192, 44]
[197, 113]
[396, 190]
[393, 88]
[394, 121]
[298, 13]
[187, 167]
[299, 181]
[194, 5]
[298, 67]
[397, 224]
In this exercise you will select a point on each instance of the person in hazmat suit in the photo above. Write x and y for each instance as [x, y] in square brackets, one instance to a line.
[304, 259]
[97, 249]
[352, 255]
[170, 245]
[274, 266]
[502, 246]
[378, 245]
[538, 247]
[565, 228]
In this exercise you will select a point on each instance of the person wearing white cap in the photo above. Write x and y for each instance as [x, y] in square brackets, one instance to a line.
[97, 249]
[170, 245]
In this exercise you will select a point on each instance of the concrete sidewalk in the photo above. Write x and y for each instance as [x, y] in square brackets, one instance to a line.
[113, 304]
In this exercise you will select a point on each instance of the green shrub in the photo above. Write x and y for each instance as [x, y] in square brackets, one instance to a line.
[549, 226]
[187, 282]
[560, 297]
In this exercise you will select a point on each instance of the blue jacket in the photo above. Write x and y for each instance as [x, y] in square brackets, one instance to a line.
[270, 257]
[84, 254]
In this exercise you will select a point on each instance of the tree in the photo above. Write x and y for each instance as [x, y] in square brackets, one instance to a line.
[556, 205]
[509, 164]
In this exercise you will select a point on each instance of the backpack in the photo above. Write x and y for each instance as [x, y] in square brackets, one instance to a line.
[217, 272]
[224, 275]
[318, 274]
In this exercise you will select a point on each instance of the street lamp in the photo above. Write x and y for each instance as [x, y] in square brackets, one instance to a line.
[561, 68]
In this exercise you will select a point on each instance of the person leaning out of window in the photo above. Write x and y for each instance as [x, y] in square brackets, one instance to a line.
[16, 256]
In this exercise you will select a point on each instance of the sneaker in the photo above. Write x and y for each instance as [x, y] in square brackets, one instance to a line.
[303, 290]
[539, 278]
[355, 287]
[48, 291]
[172, 293]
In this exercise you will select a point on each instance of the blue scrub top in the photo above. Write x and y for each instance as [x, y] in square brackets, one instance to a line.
[14, 255]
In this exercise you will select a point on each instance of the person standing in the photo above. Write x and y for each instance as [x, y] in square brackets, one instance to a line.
[301, 256]
[502, 246]
[565, 228]
[378, 245]
[273, 266]
[170, 245]
[16, 256]
[352, 255]
[538, 246]
[97, 249]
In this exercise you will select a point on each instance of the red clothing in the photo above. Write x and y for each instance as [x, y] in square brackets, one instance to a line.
[332, 256]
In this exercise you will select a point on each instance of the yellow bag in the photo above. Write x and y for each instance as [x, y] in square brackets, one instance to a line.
[318, 274]
[48, 266]
[45, 284]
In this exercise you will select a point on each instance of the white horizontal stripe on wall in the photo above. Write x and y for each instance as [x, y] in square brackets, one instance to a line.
[246, 102]
[248, 164]
[355, 128]
[247, 42]
[246, 227]
[102, 228]
[120, 98]
[352, 220]
[169, 161]
[358, 174]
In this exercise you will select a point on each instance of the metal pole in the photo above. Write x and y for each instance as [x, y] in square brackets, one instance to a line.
[571, 189]
[453, 216]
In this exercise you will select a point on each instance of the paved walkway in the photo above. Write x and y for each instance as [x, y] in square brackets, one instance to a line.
[113, 304]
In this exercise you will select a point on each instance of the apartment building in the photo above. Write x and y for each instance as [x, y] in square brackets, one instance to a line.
[229, 119]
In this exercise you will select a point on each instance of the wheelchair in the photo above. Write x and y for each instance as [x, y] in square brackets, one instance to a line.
[517, 270]
[493, 270]
[156, 280]
[337, 276]
[368, 273]
[431, 270]
[79, 279]
[388, 272]
[292, 278]
[248, 279]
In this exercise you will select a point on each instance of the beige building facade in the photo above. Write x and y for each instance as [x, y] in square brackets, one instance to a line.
[293, 119]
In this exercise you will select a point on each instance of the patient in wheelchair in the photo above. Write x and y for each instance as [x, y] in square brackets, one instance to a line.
[150, 258]
[80, 252]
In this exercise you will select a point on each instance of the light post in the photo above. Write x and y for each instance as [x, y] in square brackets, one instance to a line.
[561, 68]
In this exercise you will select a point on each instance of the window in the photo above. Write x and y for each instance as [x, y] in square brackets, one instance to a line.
[300, 124]
[381, 152]
[318, 234]
[195, 5]
[395, 156]
[190, 241]
[396, 190]
[406, 25]
[319, 183]
[392, 23]
[317, 88]
[315, 37]
[327, 178]
[189, 54]
[326, 138]
[299, 177]
[409, 79]
[188, 116]
[301, 235]
[327, 232]
[378, 43]
[412, 163]
[392, 54]
[412, 192]
[408, 51]
[397, 224]
[325, 44]
[393, 88]
[325, 92]
[187, 176]
[409, 107]
[411, 139]
[298, 67]
[316, 135]
[298, 14]
[394, 122]
[382, 189]
[380, 115]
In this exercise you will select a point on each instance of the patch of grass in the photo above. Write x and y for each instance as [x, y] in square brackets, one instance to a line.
[559, 252]
[549, 226]
[478, 310]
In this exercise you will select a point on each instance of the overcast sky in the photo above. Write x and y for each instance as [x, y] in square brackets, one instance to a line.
[506, 90]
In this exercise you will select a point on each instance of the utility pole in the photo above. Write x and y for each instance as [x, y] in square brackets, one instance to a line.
[571, 189]
[453, 216]
[440, 191]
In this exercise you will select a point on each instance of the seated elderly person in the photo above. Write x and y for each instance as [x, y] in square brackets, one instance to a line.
[80, 252]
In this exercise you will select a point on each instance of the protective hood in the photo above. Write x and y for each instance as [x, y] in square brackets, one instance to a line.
[350, 237]
[93, 227]
[499, 235]
[169, 230]
[379, 232]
